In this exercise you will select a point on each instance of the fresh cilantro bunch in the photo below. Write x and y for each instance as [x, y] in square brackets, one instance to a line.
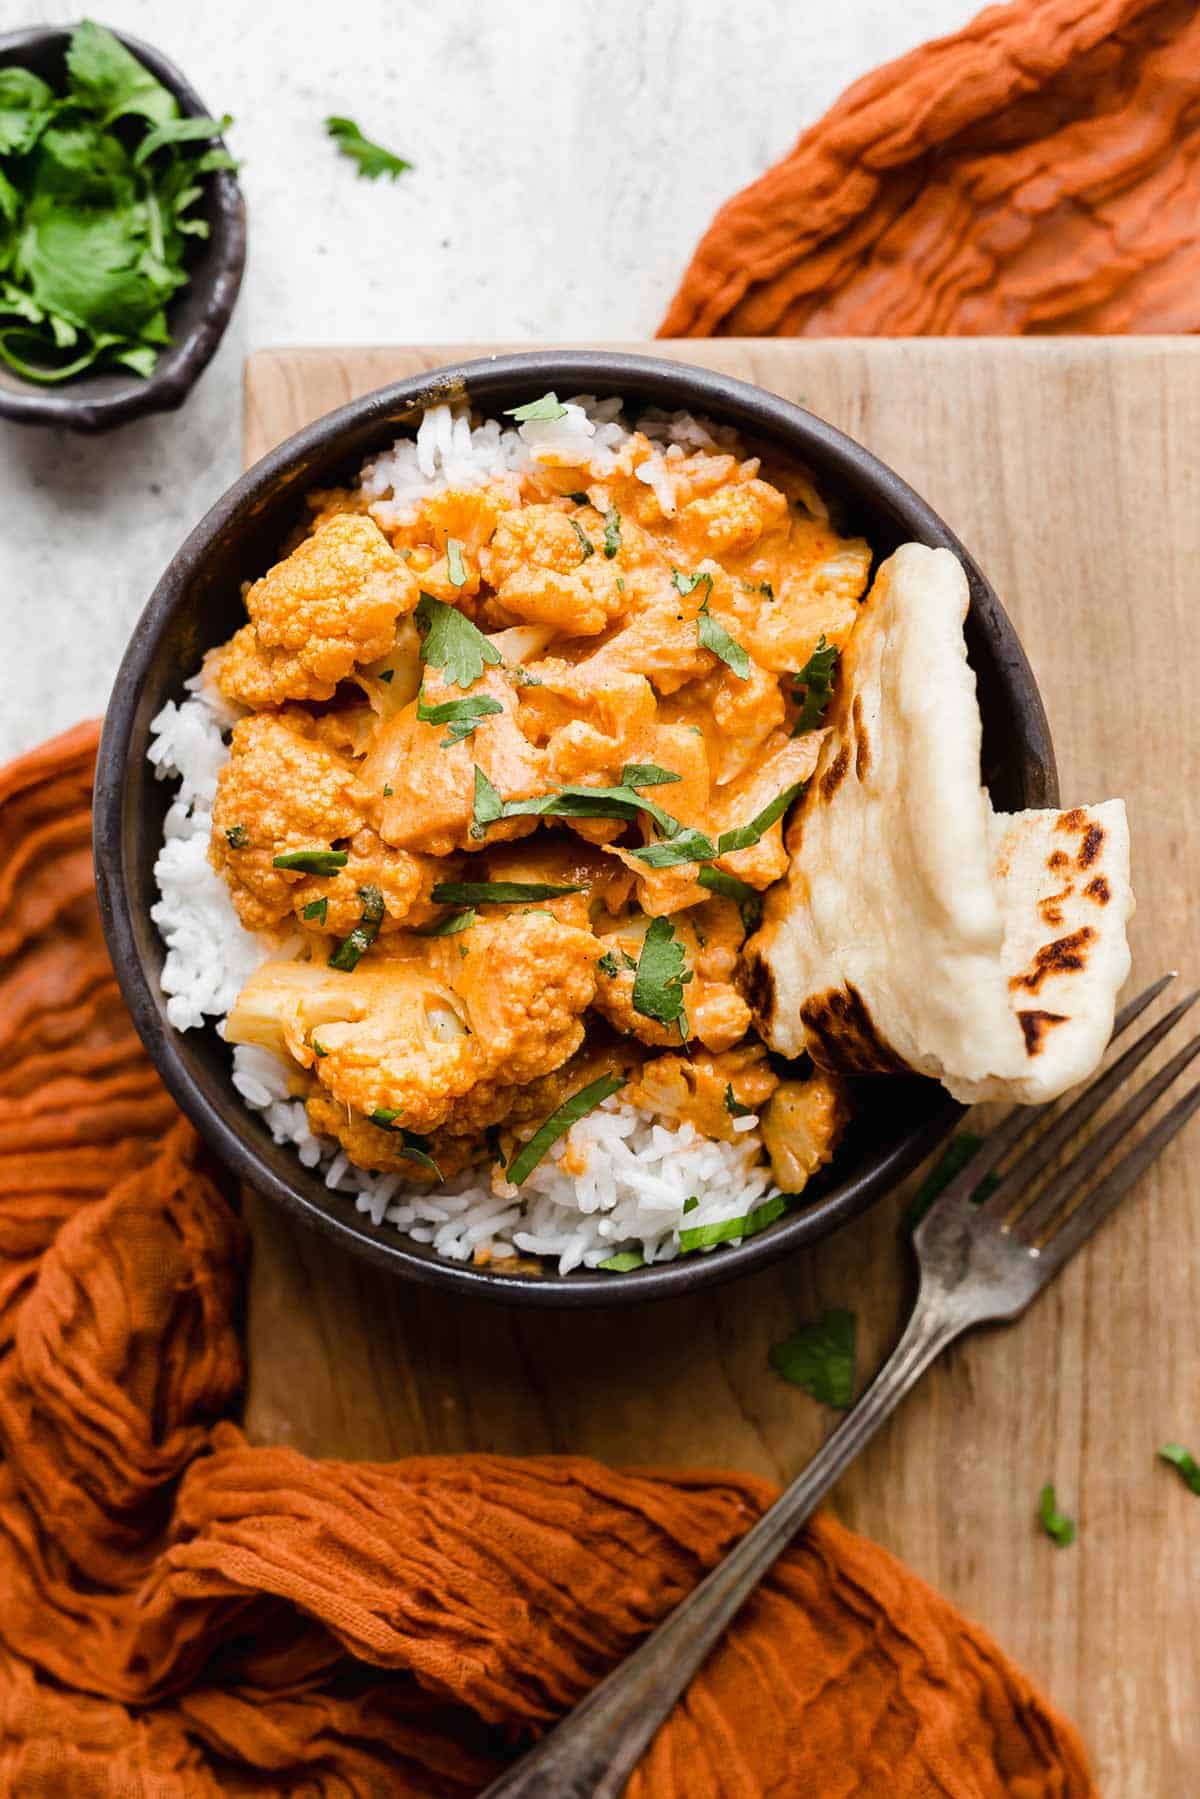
[97, 191]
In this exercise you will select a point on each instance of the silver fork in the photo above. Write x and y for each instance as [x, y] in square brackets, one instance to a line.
[979, 1263]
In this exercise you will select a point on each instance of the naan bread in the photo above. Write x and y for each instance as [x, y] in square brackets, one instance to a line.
[918, 930]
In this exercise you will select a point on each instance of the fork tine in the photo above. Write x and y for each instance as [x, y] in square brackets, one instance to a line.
[1015, 1124]
[1105, 1198]
[1047, 1146]
[1050, 1204]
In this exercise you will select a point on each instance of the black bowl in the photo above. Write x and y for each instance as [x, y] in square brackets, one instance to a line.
[198, 315]
[198, 603]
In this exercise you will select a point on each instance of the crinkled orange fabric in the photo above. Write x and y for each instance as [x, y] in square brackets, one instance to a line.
[182, 1614]
[1039, 171]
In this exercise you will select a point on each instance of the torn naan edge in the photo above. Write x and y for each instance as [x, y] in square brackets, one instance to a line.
[917, 930]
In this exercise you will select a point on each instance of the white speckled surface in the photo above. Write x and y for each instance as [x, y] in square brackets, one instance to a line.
[568, 158]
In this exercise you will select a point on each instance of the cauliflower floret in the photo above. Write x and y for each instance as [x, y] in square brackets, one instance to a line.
[468, 516]
[387, 1148]
[331, 604]
[821, 601]
[696, 1089]
[714, 1011]
[730, 522]
[283, 790]
[525, 982]
[801, 1127]
[590, 722]
[543, 565]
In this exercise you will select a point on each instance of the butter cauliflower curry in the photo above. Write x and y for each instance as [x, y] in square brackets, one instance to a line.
[514, 772]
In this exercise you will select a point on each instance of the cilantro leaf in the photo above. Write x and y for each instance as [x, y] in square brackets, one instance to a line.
[687, 583]
[749, 899]
[486, 806]
[352, 948]
[686, 846]
[181, 131]
[733, 1104]
[586, 546]
[496, 893]
[816, 679]
[452, 643]
[624, 1262]
[237, 836]
[660, 979]
[612, 532]
[820, 1358]
[704, 1236]
[1056, 1524]
[1185, 1462]
[312, 862]
[560, 1121]
[108, 79]
[742, 836]
[26, 107]
[461, 716]
[318, 909]
[548, 407]
[713, 636]
[608, 963]
[451, 925]
[456, 572]
[647, 774]
[372, 159]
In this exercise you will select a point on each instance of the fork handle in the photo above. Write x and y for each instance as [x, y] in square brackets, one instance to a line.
[592, 1753]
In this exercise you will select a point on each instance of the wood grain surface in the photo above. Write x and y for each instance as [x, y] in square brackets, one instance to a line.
[1072, 470]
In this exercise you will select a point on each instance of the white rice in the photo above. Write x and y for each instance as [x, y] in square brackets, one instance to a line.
[639, 1174]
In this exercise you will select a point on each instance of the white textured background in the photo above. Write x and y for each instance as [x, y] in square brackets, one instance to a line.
[568, 159]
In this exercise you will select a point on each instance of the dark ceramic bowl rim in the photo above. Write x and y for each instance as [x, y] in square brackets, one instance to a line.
[182, 362]
[121, 767]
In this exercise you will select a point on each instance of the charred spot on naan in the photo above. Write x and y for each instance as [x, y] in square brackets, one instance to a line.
[1098, 889]
[1035, 1025]
[1090, 834]
[756, 984]
[1050, 909]
[842, 1035]
[1066, 955]
[835, 774]
[862, 743]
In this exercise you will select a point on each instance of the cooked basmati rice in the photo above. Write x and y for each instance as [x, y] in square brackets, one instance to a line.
[639, 1173]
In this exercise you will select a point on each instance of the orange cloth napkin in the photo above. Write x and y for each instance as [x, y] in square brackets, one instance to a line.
[182, 1614]
[1039, 171]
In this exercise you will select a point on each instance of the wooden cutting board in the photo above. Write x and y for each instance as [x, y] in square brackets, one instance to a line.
[1072, 470]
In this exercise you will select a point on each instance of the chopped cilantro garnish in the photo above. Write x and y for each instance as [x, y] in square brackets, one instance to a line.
[461, 716]
[713, 636]
[704, 1236]
[560, 1121]
[686, 583]
[743, 836]
[749, 900]
[100, 184]
[387, 790]
[820, 1358]
[686, 846]
[521, 677]
[451, 925]
[317, 909]
[647, 774]
[496, 893]
[586, 546]
[486, 806]
[608, 963]
[1056, 1524]
[456, 572]
[312, 862]
[1185, 1462]
[662, 974]
[351, 949]
[816, 680]
[620, 584]
[237, 837]
[612, 532]
[372, 159]
[411, 1146]
[548, 407]
[624, 1262]
[733, 1104]
[452, 643]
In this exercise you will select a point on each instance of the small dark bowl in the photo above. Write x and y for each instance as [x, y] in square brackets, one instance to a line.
[198, 604]
[197, 317]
